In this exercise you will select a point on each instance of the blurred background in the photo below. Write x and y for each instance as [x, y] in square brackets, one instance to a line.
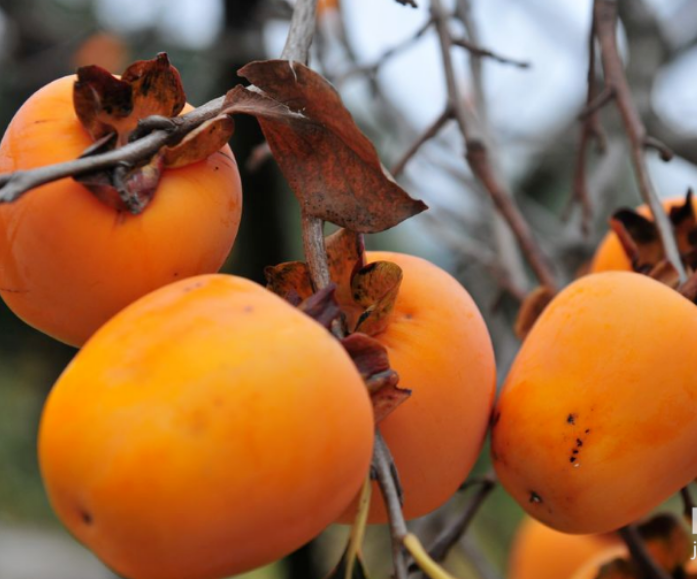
[394, 95]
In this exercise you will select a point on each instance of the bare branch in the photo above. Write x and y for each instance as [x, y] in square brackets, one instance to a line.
[605, 22]
[457, 528]
[483, 52]
[427, 135]
[478, 156]
[302, 29]
[384, 471]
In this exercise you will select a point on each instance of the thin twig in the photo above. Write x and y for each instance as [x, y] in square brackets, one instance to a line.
[371, 69]
[384, 471]
[605, 21]
[427, 135]
[451, 534]
[486, 53]
[640, 555]
[479, 159]
[590, 129]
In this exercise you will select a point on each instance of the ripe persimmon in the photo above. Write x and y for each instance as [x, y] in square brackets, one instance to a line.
[601, 393]
[439, 345]
[539, 552]
[68, 261]
[205, 430]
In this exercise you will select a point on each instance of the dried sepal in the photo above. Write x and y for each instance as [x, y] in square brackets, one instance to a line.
[375, 287]
[200, 143]
[105, 104]
[532, 307]
[371, 360]
[290, 280]
[345, 255]
[125, 189]
[329, 163]
[322, 306]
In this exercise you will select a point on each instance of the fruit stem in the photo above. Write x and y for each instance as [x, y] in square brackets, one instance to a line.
[358, 528]
[424, 560]
[605, 28]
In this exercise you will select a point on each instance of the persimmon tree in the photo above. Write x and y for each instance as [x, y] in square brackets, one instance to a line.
[337, 177]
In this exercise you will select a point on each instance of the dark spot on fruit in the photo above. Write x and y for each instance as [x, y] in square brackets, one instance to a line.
[86, 517]
[571, 419]
[535, 498]
[248, 309]
[408, 316]
[579, 442]
[587, 430]
[176, 274]
[216, 168]
[572, 459]
[574, 451]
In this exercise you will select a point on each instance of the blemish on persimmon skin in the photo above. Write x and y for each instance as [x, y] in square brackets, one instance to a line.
[86, 517]
[535, 498]
[571, 419]
[248, 309]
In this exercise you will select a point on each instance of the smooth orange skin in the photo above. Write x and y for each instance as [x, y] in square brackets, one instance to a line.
[539, 552]
[608, 371]
[440, 347]
[610, 256]
[68, 262]
[207, 429]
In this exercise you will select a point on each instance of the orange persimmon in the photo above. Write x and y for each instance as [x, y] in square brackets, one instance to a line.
[539, 552]
[602, 392]
[205, 430]
[439, 345]
[68, 261]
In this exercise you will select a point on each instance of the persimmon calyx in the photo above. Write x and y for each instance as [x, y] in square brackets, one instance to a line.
[111, 110]
[642, 244]
[364, 296]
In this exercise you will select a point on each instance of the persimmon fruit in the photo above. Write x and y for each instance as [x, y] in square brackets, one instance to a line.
[205, 430]
[68, 261]
[602, 392]
[539, 552]
[439, 345]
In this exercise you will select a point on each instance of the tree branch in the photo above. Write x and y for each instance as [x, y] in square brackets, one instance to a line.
[479, 159]
[605, 23]
[427, 135]
[483, 52]
[384, 472]
[302, 29]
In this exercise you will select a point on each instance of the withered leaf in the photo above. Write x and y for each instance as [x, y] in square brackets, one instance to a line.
[532, 307]
[372, 362]
[375, 287]
[106, 104]
[331, 166]
[290, 280]
[200, 143]
[665, 272]
[322, 306]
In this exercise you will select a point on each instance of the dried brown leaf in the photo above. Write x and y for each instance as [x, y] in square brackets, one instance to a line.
[290, 280]
[331, 166]
[533, 305]
[200, 143]
[639, 238]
